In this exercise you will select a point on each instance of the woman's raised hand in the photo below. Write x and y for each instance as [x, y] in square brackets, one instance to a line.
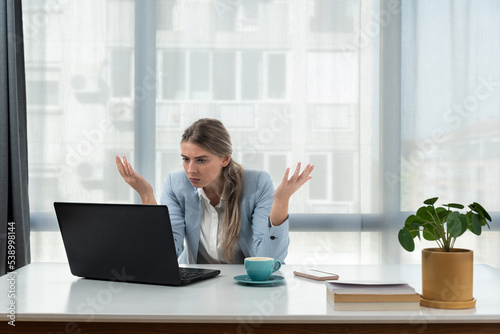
[288, 186]
[137, 182]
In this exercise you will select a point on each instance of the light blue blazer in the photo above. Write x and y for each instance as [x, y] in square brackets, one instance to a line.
[257, 236]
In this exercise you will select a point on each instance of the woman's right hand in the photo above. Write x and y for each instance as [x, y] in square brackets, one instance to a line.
[137, 182]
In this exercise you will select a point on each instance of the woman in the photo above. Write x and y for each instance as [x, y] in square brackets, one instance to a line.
[224, 212]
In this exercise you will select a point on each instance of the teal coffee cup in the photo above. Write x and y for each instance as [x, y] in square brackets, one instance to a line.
[260, 268]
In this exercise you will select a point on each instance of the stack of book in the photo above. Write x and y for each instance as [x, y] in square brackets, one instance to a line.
[367, 296]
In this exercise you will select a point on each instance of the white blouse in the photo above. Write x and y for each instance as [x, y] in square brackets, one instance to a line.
[209, 250]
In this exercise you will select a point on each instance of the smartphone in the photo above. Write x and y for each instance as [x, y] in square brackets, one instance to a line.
[317, 275]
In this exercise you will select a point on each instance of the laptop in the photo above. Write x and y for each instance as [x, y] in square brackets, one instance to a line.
[123, 242]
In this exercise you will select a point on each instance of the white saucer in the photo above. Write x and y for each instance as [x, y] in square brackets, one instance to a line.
[247, 280]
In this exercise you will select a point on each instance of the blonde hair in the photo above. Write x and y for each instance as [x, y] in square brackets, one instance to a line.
[211, 135]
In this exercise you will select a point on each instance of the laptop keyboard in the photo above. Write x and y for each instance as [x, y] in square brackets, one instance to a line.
[186, 274]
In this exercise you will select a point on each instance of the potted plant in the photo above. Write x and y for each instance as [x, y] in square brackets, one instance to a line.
[447, 272]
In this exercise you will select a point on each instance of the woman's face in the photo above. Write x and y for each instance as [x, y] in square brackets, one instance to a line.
[202, 167]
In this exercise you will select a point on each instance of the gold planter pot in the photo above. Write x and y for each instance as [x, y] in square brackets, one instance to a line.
[447, 278]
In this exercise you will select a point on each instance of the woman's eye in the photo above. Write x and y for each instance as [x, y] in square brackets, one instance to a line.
[201, 161]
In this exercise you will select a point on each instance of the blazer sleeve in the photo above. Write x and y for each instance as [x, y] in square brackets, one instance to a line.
[176, 212]
[268, 241]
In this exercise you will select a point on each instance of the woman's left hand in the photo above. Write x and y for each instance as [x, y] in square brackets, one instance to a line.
[290, 185]
[282, 194]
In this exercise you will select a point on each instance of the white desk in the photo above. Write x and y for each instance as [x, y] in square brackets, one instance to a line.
[50, 299]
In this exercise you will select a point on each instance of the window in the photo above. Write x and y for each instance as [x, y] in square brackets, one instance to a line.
[223, 75]
[276, 76]
[328, 117]
[43, 180]
[237, 116]
[337, 186]
[121, 72]
[333, 16]
[355, 87]
[199, 75]
[250, 10]
[319, 187]
[41, 6]
[226, 14]
[344, 169]
[173, 75]
[165, 14]
[276, 164]
[251, 75]
[333, 77]
[168, 116]
[43, 88]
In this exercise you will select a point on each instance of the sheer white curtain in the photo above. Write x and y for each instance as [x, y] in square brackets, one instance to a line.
[450, 133]
[302, 80]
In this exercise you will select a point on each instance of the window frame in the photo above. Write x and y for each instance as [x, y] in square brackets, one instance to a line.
[390, 104]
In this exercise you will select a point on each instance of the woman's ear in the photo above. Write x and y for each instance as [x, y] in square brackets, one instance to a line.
[225, 160]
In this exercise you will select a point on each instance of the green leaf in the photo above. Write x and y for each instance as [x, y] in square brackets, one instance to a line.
[442, 213]
[465, 222]
[431, 233]
[406, 240]
[480, 209]
[425, 213]
[454, 205]
[413, 224]
[411, 219]
[476, 224]
[457, 224]
[431, 201]
[469, 219]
